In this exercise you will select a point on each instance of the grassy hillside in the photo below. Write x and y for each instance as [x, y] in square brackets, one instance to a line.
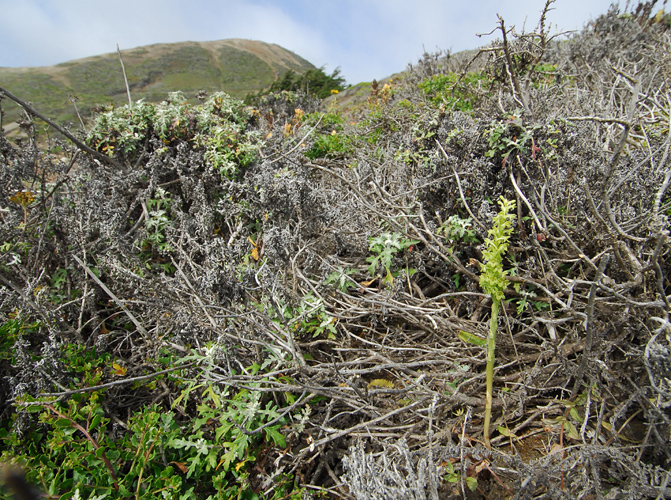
[234, 66]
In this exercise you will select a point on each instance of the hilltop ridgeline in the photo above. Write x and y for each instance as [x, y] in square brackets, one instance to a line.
[235, 66]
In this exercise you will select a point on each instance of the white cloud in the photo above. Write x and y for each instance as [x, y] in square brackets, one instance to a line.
[398, 34]
[54, 31]
[367, 38]
[268, 23]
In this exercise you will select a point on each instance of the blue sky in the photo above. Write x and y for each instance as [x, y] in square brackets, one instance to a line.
[366, 38]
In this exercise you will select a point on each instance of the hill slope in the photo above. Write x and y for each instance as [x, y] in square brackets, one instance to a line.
[235, 66]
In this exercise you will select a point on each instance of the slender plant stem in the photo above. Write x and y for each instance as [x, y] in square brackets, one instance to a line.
[125, 79]
[93, 442]
[491, 356]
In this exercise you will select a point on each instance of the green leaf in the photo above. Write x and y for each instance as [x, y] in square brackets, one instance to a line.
[274, 434]
[188, 495]
[211, 459]
[34, 408]
[571, 431]
[576, 416]
[472, 339]
[222, 430]
[63, 423]
[471, 483]
[227, 459]
[124, 492]
[506, 432]
[95, 422]
[373, 265]
[212, 396]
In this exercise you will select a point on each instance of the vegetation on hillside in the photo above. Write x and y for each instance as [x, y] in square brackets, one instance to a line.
[313, 81]
[237, 67]
[293, 301]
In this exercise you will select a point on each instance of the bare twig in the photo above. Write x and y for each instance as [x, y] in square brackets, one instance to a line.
[461, 192]
[125, 78]
[77, 142]
[589, 335]
[131, 380]
[109, 292]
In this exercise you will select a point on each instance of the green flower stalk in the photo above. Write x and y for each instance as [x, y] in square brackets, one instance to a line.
[493, 282]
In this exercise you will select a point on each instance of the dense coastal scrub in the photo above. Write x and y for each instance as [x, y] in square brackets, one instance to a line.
[287, 300]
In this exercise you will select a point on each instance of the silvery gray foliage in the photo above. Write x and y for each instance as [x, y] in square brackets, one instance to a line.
[658, 362]
[611, 37]
[392, 475]
[32, 377]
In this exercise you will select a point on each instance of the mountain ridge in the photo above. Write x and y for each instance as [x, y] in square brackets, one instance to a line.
[236, 66]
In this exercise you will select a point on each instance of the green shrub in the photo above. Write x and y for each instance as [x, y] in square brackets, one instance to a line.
[313, 81]
[464, 96]
[71, 451]
[329, 145]
[218, 126]
[385, 246]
